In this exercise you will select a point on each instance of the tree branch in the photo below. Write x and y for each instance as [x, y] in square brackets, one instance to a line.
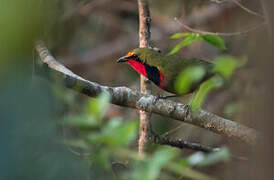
[126, 97]
[144, 38]
[179, 143]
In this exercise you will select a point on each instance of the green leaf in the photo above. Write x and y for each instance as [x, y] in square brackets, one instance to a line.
[150, 168]
[180, 35]
[102, 158]
[231, 109]
[199, 96]
[82, 121]
[116, 133]
[201, 159]
[158, 161]
[184, 163]
[226, 65]
[187, 172]
[214, 40]
[187, 41]
[163, 155]
[99, 105]
[188, 77]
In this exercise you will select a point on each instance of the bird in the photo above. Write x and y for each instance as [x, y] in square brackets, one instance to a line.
[163, 70]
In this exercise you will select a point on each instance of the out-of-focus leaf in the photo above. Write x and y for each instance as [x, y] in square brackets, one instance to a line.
[231, 109]
[102, 158]
[116, 133]
[99, 105]
[199, 97]
[151, 167]
[190, 38]
[159, 159]
[179, 35]
[82, 121]
[184, 163]
[201, 159]
[214, 40]
[226, 65]
[188, 77]
[196, 158]
[187, 172]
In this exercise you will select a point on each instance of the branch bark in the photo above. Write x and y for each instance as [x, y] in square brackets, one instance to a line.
[126, 97]
[179, 143]
[144, 38]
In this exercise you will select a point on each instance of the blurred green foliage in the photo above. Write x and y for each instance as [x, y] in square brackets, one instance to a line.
[204, 89]
[150, 167]
[188, 77]
[109, 140]
[224, 67]
[99, 106]
[22, 22]
[231, 109]
[31, 143]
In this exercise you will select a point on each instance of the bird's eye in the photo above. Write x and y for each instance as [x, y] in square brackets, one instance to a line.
[134, 56]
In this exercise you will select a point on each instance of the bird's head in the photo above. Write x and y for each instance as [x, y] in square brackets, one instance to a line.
[146, 62]
[134, 55]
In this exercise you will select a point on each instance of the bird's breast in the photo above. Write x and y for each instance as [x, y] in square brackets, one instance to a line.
[151, 72]
[139, 67]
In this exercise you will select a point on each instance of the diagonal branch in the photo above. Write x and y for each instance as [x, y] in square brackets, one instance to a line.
[126, 97]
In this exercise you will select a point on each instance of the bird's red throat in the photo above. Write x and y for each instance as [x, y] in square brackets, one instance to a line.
[141, 69]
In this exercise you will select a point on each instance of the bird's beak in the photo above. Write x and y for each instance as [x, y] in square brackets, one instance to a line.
[122, 59]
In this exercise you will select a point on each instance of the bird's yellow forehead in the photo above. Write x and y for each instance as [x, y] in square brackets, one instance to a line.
[130, 54]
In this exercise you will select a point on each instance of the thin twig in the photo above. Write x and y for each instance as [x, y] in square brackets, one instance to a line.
[179, 143]
[241, 6]
[182, 144]
[246, 9]
[219, 33]
[172, 130]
